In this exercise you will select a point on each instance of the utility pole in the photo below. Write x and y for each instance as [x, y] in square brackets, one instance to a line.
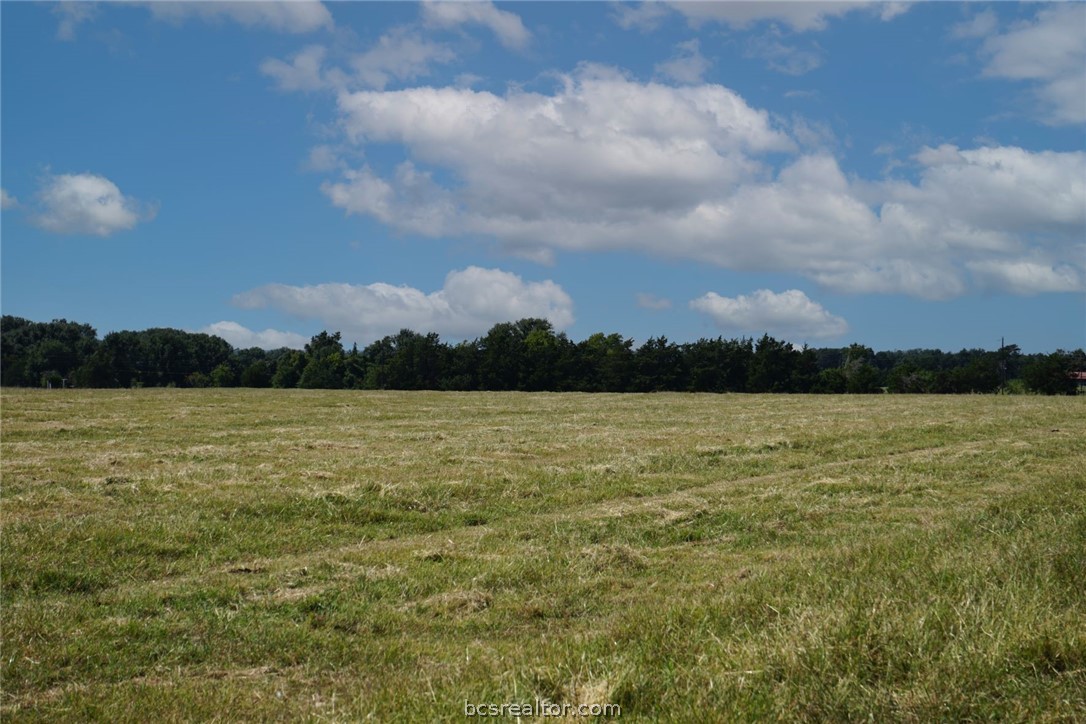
[1002, 366]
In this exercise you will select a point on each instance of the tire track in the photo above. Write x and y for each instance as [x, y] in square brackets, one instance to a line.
[468, 535]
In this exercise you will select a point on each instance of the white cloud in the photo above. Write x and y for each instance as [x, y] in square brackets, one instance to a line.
[8, 202]
[812, 134]
[651, 301]
[295, 16]
[980, 25]
[401, 54]
[603, 148]
[471, 301]
[87, 204]
[507, 26]
[999, 190]
[890, 10]
[72, 15]
[302, 73]
[607, 163]
[1050, 51]
[644, 16]
[467, 80]
[801, 16]
[362, 192]
[788, 314]
[688, 65]
[1027, 277]
[322, 158]
[971, 209]
[935, 277]
[243, 338]
[788, 59]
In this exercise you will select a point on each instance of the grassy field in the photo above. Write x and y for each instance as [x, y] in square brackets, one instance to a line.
[337, 556]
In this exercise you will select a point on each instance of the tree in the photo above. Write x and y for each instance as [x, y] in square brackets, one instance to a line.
[325, 367]
[908, 378]
[706, 365]
[659, 366]
[223, 376]
[772, 366]
[121, 355]
[1050, 374]
[461, 367]
[861, 377]
[500, 360]
[981, 374]
[242, 359]
[523, 355]
[413, 362]
[606, 363]
[355, 367]
[258, 374]
[831, 381]
[1009, 359]
[31, 350]
[546, 356]
[805, 370]
[288, 371]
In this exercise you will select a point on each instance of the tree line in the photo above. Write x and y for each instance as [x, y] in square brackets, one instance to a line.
[526, 355]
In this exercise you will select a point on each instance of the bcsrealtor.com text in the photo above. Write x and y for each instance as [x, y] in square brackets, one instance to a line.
[540, 708]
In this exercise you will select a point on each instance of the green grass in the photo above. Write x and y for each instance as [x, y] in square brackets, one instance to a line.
[336, 556]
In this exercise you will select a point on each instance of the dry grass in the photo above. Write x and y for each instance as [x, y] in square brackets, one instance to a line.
[243, 554]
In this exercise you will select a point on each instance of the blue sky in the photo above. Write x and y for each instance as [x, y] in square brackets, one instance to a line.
[899, 175]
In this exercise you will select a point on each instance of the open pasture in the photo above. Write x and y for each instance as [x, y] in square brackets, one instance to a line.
[337, 556]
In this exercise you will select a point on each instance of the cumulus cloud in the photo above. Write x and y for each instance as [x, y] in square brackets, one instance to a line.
[302, 73]
[471, 301]
[1026, 276]
[7, 201]
[1050, 51]
[606, 163]
[507, 26]
[688, 65]
[653, 302]
[644, 16]
[994, 191]
[802, 16]
[296, 16]
[401, 54]
[789, 314]
[813, 134]
[85, 203]
[980, 25]
[72, 15]
[243, 338]
[603, 149]
[971, 209]
[322, 158]
[782, 57]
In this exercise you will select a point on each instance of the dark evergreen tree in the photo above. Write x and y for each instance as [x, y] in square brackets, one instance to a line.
[772, 366]
[606, 363]
[659, 366]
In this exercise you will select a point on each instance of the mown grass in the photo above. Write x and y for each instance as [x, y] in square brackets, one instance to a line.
[336, 556]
